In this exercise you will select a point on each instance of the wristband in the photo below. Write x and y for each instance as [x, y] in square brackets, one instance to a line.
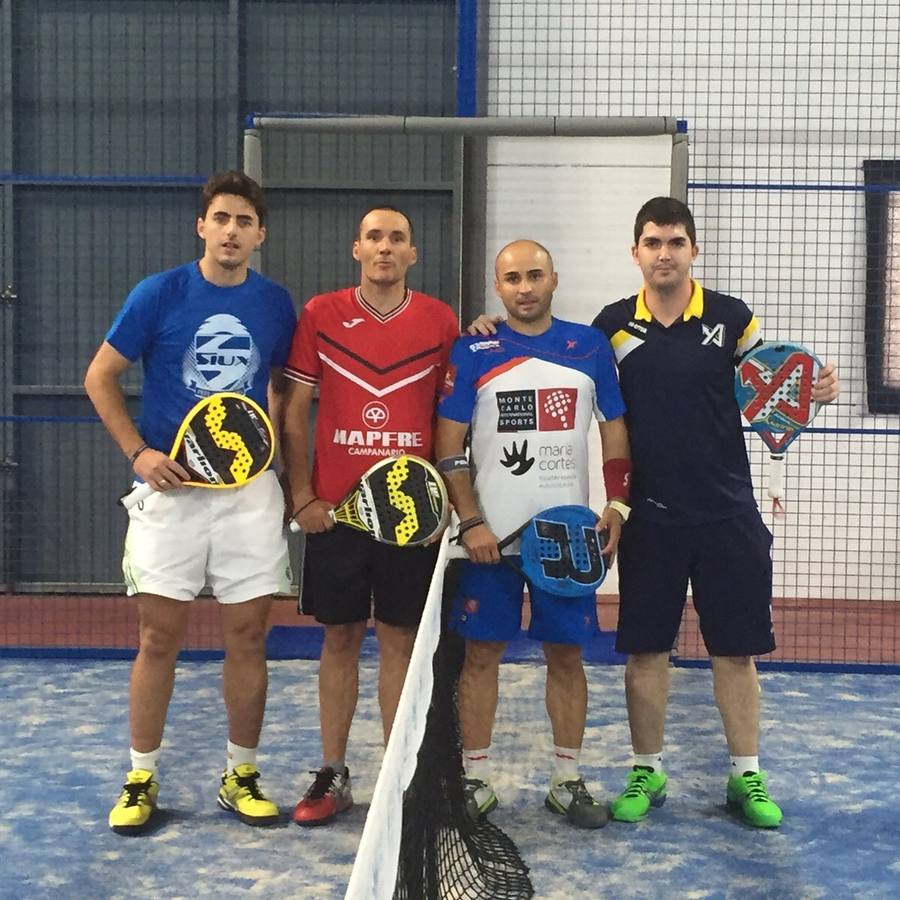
[469, 523]
[617, 477]
[623, 510]
[300, 509]
[452, 464]
[137, 453]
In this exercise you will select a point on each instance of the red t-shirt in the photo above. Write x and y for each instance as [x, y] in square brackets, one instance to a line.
[378, 378]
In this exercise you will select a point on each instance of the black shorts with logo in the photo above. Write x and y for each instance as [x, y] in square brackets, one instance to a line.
[729, 567]
[345, 572]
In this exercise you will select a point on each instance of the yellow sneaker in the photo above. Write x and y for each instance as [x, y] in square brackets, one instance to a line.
[136, 803]
[241, 794]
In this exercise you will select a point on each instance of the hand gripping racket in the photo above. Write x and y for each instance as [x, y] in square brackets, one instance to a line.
[225, 441]
[773, 387]
[561, 551]
[400, 500]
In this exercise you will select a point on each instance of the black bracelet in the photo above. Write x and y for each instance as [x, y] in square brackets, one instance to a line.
[137, 453]
[297, 512]
[473, 522]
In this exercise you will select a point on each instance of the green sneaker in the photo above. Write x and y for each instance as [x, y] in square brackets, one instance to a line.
[645, 788]
[573, 800]
[748, 794]
[480, 798]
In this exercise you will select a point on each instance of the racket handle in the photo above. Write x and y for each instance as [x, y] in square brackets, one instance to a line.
[138, 493]
[776, 476]
[295, 525]
[456, 551]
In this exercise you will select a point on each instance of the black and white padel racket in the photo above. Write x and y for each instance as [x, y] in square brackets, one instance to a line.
[400, 500]
[224, 441]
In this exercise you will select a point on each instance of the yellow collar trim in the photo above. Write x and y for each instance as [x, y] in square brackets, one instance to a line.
[694, 309]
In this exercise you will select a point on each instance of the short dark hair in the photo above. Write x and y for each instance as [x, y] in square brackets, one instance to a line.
[664, 211]
[389, 208]
[237, 183]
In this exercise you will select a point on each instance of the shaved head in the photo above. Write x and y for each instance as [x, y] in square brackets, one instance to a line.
[524, 280]
[541, 254]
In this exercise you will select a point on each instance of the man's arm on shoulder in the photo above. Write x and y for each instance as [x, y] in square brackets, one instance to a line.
[484, 325]
[101, 381]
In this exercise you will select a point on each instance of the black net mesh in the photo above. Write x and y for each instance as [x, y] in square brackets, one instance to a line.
[444, 855]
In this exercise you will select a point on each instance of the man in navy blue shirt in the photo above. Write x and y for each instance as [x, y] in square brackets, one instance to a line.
[208, 326]
[695, 518]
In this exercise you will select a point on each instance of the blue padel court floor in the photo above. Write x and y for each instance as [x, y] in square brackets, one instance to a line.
[830, 744]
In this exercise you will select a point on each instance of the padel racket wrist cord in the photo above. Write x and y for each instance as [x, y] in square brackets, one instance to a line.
[300, 509]
[133, 458]
[472, 522]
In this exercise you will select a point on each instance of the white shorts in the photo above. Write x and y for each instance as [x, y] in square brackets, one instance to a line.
[231, 540]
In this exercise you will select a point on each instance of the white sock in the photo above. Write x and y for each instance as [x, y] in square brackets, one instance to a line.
[147, 761]
[337, 764]
[239, 756]
[477, 764]
[649, 760]
[565, 764]
[741, 764]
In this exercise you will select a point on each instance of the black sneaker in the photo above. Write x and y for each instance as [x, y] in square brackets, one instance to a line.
[573, 800]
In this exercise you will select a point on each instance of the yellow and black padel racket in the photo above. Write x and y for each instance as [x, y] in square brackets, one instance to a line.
[225, 441]
[401, 501]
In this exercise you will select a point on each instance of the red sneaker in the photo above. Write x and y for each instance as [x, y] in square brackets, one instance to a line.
[328, 795]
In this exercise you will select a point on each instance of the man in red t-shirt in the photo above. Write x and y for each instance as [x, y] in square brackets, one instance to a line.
[377, 354]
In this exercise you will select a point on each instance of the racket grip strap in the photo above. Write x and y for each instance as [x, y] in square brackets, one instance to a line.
[138, 493]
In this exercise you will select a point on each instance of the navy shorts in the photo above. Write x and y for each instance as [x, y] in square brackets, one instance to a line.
[729, 566]
[487, 606]
[345, 573]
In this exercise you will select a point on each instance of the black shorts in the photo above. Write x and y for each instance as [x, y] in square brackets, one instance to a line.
[345, 571]
[729, 566]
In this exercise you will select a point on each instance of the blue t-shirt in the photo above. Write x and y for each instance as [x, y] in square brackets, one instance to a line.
[532, 401]
[196, 338]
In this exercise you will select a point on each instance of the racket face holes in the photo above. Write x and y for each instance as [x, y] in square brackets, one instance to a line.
[402, 492]
[561, 551]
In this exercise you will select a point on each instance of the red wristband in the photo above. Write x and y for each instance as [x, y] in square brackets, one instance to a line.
[617, 478]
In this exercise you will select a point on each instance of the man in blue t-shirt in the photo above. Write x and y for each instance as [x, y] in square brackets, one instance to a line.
[208, 326]
[695, 515]
[529, 397]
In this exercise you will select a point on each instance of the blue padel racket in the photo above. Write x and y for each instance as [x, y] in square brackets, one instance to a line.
[561, 551]
[773, 387]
